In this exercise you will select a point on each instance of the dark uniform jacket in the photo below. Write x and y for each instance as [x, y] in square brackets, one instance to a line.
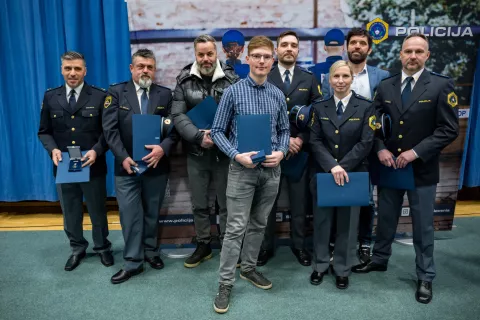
[120, 105]
[303, 90]
[61, 127]
[427, 125]
[344, 142]
[189, 92]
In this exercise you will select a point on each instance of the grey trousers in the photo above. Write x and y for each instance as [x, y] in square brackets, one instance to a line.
[250, 197]
[421, 201]
[201, 170]
[71, 200]
[298, 195]
[139, 201]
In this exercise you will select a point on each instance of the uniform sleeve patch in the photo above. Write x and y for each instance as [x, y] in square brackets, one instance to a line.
[452, 99]
[108, 102]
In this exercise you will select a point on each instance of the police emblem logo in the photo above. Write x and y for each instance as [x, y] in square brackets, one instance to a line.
[372, 122]
[108, 101]
[301, 117]
[167, 121]
[378, 29]
[452, 99]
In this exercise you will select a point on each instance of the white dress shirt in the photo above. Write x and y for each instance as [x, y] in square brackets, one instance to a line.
[78, 90]
[414, 81]
[361, 83]
[139, 91]
[345, 101]
[282, 70]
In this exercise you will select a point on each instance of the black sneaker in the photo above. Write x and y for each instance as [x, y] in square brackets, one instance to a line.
[364, 253]
[222, 300]
[257, 279]
[202, 253]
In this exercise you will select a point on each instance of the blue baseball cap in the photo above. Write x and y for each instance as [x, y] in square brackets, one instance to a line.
[233, 36]
[334, 37]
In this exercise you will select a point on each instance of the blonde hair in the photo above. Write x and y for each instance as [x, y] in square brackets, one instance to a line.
[339, 64]
[260, 42]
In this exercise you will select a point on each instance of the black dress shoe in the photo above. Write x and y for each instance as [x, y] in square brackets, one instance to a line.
[364, 253]
[341, 282]
[74, 260]
[303, 257]
[122, 275]
[368, 267]
[317, 277]
[106, 258]
[155, 262]
[424, 292]
[264, 256]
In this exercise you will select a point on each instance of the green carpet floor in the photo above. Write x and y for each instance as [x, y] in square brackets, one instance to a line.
[33, 285]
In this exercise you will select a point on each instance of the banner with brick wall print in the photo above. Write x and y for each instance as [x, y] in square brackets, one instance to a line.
[169, 28]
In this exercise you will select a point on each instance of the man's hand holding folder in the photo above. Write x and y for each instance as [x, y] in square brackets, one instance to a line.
[153, 157]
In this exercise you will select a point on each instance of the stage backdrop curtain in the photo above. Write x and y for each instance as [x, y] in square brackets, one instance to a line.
[470, 170]
[34, 34]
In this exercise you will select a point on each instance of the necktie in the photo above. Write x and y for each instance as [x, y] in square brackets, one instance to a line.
[144, 101]
[339, 110]
[407, 92]
[287, 80]
[71, 101]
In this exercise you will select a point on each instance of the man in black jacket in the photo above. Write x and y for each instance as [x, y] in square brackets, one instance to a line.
[207, 76]
[72, 116]
[139, 197]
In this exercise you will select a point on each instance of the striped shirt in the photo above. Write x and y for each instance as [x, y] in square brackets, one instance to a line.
[247, 97]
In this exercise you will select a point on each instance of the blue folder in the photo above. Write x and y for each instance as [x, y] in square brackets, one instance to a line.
[254, 133]
[295, 165]
[146, 131]
[202, 114]
[352, 194]
[402, 179]
[65, 176]
[141, 167]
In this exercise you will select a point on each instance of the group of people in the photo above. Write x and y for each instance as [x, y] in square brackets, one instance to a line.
[341, 137]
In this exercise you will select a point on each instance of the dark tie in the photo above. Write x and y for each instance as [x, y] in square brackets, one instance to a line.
[287, 80]
[144, 100]
[71, 101]
[339, 110]
[407, 92]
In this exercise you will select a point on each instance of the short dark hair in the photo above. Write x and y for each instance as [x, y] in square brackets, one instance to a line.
[73, 55]
[144, 53]
[416, 34]
[359, 32]
[287, 33]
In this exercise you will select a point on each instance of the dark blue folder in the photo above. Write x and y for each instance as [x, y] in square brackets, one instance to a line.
[254, 133]
[202, 114]
[295, 165]
[141, 167]
[65, 176]
[402, 179]
[146, 131]
[352, 194]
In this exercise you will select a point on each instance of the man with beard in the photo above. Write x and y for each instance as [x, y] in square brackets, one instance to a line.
[365, 81]
[300, 88]
[424, 113]
[207, 76]
[139, 197]
[72, 116]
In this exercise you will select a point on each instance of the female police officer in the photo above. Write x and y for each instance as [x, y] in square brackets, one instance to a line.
[342, 131]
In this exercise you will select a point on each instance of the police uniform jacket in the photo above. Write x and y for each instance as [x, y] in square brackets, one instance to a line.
[303, 90]
[427, 124]
[344, 142]
[61, 127]
[119, 107]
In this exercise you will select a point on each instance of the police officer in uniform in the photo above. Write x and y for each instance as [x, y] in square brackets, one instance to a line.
[139, 197]
[300, 88]
[334, 41]
[342, 132]
[423, 109]
[72, 116]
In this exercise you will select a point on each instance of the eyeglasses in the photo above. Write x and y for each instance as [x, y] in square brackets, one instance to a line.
[258, 57]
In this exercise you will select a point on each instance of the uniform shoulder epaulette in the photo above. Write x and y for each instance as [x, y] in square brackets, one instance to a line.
[163, 87]
[320, 100]
[440, 75]
[117, 83]
[362, 97]
[50, 89]
[391, 76]
[306, 70]
[98, 88]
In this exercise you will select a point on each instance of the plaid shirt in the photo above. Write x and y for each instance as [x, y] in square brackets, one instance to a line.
[248, 97]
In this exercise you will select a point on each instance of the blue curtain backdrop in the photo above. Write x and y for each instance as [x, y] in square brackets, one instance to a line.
[470, 171]
[34, 34]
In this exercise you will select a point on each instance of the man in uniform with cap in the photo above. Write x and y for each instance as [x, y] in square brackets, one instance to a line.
[334, 40]
[300, 89]
[72, 116]
[233, 43]
[423, 110]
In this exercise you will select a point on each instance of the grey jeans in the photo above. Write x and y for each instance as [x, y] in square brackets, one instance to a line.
[251, 194]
